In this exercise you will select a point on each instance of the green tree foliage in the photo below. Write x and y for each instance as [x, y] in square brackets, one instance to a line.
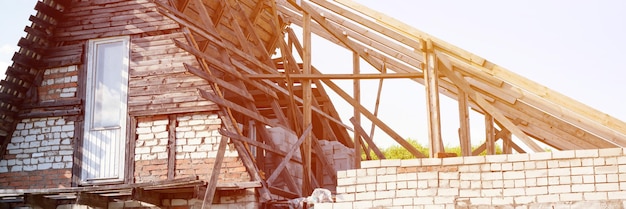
[399, 152]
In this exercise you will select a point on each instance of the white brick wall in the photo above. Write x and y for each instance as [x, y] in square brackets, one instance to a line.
[538, 180]
[40, 144]
[195, 139]
[64, 91]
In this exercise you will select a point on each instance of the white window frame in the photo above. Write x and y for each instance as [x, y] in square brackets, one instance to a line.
[115, 152]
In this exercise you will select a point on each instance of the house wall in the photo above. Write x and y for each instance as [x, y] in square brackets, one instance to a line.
[196, 141]
[563, 179]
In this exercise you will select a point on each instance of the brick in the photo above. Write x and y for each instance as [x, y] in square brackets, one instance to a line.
[447, 192]
[502, 201]
[431, 161]
[586, 153]
[324, 205]
[406, 193]
[390, 163]
[559, 172]
[524, 200]
[536, 190]
[518, 157]
[402, 201]
[496, 158]
[595, 195]
[427, 175]
[468, 176]
[474, 160]
[430, 192]
[610, 152]
[444, 200]
[423, 200]
[616, 195]
[370, 164]
[365, 196]
[448, 175]
[606, 169]
[366, 180]
[559, 189]
[469, 193]
[410, 163]
[513, 175]
[563, 154]
[346, 181]
[345, 197]
[384, 203]
[385, 194]
[548, 198]
[452, 161]
[536, 173]
[571, 197]
[582, 171]
[480, 201]
[605, 187]
[360, 204]
[541, 156]
[511, 192]
[343, 205]
[491, 176]
[383, 178]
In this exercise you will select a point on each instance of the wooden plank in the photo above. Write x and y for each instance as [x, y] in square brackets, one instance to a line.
[431, 84]
[289, 155]
[374, 119]
[261, 145]
[242, 93]
[143, 195]
[337, 76]
[490, 135]
[307, 96]
[48, 10]
[171, 147]
[131, 135]
[464, 129]
[356, 89]
[217, 166]
[370, 142]
[237, 108]
[37, 200]
[507, 147]
[486, 106]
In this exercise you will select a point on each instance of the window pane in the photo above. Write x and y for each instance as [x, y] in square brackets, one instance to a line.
[108, 83]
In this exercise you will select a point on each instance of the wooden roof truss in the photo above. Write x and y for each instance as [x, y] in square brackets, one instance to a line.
[261, 75]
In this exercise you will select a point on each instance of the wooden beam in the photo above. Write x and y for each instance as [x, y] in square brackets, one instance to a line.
[39, 200]
[215, 173]
[464, 129]
[431, 85]
[486, 106]
[507, 147]
[370, 142]
[260, 145]
[490, 135]
[289, 155]
[92, 200]
[338, 76]
[171, 147]
[307, 96]
[356, 88]
[146, 196]
[231, 105]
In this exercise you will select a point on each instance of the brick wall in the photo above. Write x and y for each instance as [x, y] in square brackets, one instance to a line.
[59, 83]
[197, 141]
[39, 147]
[562, 179]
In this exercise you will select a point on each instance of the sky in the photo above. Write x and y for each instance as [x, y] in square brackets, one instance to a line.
[573, 47]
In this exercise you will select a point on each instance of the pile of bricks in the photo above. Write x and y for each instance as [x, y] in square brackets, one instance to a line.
[340, 157]
[284, 140]
[550, 179]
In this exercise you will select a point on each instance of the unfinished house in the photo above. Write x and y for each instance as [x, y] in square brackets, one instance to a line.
[210, 103]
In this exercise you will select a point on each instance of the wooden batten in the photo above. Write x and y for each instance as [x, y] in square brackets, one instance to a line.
[356, 87]
[431, 84]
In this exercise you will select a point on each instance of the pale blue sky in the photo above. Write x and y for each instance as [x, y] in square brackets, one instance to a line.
[574, 47]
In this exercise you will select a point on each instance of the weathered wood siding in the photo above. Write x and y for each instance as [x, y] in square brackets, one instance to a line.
[159, 83]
